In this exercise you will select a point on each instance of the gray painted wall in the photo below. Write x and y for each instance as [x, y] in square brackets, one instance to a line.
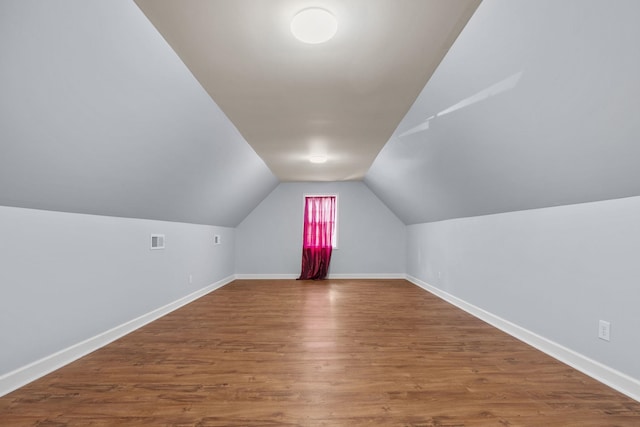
[98, 115]
[371, 238]
[554, 271]
[68, 277]
[566, 132]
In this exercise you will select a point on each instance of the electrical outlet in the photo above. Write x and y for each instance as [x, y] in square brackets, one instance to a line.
[604, 330]
[190, 278]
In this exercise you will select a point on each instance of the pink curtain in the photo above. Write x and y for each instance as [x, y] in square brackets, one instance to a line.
[319, 226]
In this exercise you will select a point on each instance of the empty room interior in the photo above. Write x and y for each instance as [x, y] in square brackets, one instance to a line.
[159, 165]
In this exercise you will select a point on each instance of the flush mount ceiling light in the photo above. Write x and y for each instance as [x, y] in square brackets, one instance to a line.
[318, 159]
[314, 25]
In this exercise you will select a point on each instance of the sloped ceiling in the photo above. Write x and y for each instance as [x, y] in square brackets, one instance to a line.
[290, 100]
[98, 115]
[535, 105]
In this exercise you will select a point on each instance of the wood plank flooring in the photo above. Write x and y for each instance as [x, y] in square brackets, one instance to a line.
[330, 353]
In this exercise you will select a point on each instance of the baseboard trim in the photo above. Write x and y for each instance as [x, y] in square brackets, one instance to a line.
[368, 276]
[331, 276]
[615, 379]
[31, 372]
[266, 276]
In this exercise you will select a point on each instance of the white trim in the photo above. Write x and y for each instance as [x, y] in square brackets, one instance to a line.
[31, 372]
[615, 379]
[330, 276]
[368, 276]
[266, 276]
[335, 223]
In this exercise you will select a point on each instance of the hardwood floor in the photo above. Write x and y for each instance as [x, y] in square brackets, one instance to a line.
[331, 353]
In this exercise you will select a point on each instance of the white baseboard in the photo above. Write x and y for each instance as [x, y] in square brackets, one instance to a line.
[368, 276]
[267, 276]
[331, 276]
[28, 373]
[596, 370]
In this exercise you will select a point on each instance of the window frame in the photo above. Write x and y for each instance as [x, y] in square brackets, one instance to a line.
[334, 243]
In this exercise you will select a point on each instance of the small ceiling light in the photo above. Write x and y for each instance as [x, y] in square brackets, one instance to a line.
[318, 159]
[314, 25]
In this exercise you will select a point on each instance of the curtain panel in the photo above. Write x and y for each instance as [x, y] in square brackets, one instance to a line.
[317, 241]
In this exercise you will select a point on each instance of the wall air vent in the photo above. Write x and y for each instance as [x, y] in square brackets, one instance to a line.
[157, 241]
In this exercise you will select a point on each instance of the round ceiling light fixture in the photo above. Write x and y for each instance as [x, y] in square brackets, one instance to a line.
[314, 25]
[318, 159]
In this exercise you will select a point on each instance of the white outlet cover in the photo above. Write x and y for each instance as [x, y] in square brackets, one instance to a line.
[604, 330]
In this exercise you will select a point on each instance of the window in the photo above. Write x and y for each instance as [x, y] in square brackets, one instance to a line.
[320, 221]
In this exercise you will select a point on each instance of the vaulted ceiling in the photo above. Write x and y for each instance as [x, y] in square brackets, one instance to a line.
[194, 111]
[99, 116]
[290, 100]
[535, 105]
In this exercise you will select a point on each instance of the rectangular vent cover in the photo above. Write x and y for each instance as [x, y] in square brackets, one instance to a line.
[157, 241]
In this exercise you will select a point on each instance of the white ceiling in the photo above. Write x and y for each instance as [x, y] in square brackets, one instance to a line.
[290, 100]
[534, 105]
